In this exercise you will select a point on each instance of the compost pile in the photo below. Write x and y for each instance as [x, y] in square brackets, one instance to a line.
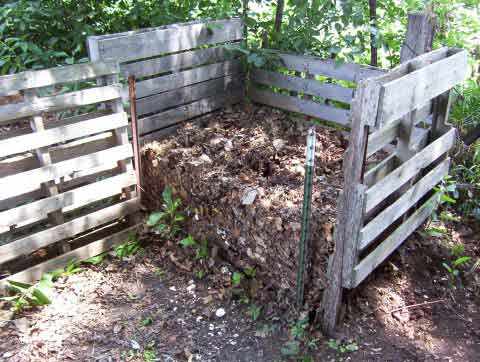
[240, 174]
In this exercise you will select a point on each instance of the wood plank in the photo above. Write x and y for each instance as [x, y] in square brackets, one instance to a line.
[410, 92]
[328, 67]
[302, 85]
[163, 101]
[382, 137]
[78, 197]
[66, 230]
[406, 171]
[390, 244]
[381, 170]
[61, 152]
[169, 39]
[59, 102]
[306, 107]
[383, 220]
[97, 247]
[62, 134]
[59, 75]
[188, 77]
[188, 111]
[175, 62]
[28, 181]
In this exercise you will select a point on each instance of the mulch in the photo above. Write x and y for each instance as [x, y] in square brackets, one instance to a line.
[240, 174]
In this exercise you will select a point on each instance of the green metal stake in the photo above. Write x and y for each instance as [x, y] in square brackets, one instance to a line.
[306, 211]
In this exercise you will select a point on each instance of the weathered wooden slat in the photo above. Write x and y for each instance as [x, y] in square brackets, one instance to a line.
[302, 85]
[381, 170]
[175, 62]
[383, 220]
[181, 79]
[306, 107]
[384, 136]
[62, 134]
[66, 230]
[407, 170]
[48, 77]
[169, 39]
[38, 210]
[28, 181]
[97, 247]
[58, 153]
[188, 111]
[410, 92]
[329, 68]
[389, 245]
[59, 102]
[160, 102]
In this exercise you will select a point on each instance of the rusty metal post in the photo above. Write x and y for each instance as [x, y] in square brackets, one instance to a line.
[136, 146]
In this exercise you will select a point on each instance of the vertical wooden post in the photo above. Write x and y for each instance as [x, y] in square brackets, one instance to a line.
[418, 40]
[50, 188]
[350, 208]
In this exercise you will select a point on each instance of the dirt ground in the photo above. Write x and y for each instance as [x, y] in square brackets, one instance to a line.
[148, 308]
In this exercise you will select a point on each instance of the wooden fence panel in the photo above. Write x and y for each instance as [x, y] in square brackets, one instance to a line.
[306, 107]
[180, 85]
[67, 156]
[415, 89]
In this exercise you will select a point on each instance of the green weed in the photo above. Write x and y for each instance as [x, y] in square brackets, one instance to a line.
[167, 222]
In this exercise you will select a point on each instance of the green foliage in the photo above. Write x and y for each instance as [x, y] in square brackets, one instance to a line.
[45, 33]
[466, 173]
[167, 222]
[237, 278]
[128, 248]
[342, 348]
[147, 321]
[458, 261]
[97, 259]
[254, 311]
[188, 241]
[26, 295]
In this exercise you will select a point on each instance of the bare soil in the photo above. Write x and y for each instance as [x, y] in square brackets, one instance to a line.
[122, 308]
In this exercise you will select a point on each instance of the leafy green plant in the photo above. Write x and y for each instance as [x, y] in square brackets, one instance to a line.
[26, 295]
[290, 349]
[97, 259]
[167, 222]
[147, 321]
[237, 278]
[201, 247]
[250, 272]
[345, 347]
[200, 274]
[128, 248]
[459, 260]
[254, 311]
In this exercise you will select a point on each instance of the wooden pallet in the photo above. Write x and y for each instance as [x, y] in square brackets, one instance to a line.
[63, 177]
[200, 77]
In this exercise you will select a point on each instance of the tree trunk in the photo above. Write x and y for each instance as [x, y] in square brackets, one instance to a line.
[278, 17]
[373, 22]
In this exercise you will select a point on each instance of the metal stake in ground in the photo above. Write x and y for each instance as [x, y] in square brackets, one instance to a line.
[306, 211]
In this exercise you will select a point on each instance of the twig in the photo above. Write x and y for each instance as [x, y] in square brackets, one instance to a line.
[406, 307]
[415, 305]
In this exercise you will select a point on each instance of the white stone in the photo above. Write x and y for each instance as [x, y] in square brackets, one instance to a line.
[220, 312]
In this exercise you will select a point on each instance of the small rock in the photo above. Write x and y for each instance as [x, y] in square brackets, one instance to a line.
[22, 324]
[401, 316]
[111, 267]
[173, 289]
[220, 312]
[134, 344]
[5, 317]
